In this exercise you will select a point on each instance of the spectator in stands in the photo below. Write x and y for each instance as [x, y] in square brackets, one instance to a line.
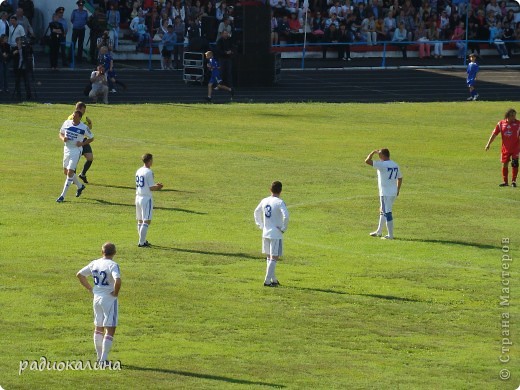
[380, 29]
[63, 41]
[15, 31]
[495, 37]
[56, 34]
[28, 9]
[376, 9]
[22, 56]
[79, 19]
[331, 36]
[409, 9]
[274, 29]
[509, 18]
[318, 25]
[225, 25]
[473, 45]
[332, 20]
[140, 31]
[169, 40]
[493, 7]
[99, 82]
[114, 20]
[435, 40]
[390, 25]
[136, 7]
[344, 38]
[4, 24]
[221, 11]
[178, 10]
[24, 21]
[455, 19]
[196, 10]
[400, 39]
[296, 32]
[293, 7]
[338, 10]
[360, 12]
[284, 30]
[459, 35]
[209, 10]
[408, 24]
[5, 55]
[425, 8]
[103, 40]
[421, 36]
[153, 21]
[508, 36]
[368, 30]
[278, 7]
[178, 51]
[225, 52]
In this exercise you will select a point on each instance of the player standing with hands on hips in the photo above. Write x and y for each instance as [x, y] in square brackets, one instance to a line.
[389, 180]
[107, 283]
[272, 216]
[144, 184]
[509, 129]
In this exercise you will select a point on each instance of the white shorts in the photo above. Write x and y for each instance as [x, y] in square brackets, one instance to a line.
[272, 246]
[71, 158]
[386, 203]
[143, 208]
[105, 310]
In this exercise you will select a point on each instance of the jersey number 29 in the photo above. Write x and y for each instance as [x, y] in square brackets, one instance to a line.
[139, 181]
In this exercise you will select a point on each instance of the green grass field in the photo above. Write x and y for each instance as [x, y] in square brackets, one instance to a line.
[354, 312]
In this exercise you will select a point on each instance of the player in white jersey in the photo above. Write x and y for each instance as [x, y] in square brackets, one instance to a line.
[389, 180]
[107, 283]
[74, 134]
[144, 185]
[271, 215]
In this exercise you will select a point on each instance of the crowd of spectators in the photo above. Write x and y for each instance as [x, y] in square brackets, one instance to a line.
[430, 24]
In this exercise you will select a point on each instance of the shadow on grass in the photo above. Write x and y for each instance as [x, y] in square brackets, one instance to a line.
[155, 207]
[203, 376]
[133, 188]
[452, 242]
[200, 252]
[330, 291]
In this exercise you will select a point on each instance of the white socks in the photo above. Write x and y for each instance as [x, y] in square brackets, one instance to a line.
[68, 182]
[107, 344]
[270, 273]
[381, 221]
[390, 227]
[142, 233]
[98, 344]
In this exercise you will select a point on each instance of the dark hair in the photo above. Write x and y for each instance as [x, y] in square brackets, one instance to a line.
[385, 152]
[108, 249]
[509, 112]
[276, 187]
[147, 157]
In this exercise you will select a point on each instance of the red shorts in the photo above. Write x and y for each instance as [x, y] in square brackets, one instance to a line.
[507, 156]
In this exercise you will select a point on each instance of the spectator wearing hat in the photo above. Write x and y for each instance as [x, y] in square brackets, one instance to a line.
[79, 18]
[60, 11]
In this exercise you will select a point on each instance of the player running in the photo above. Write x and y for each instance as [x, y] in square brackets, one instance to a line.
[215, 79]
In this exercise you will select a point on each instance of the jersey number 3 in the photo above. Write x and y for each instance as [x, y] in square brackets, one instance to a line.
[267, 211]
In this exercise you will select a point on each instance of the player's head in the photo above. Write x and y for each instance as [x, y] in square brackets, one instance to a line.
[472, 57]
[384, 154]
[108, 249]
[276, 187]
[80, 106]
[209, 54]
[147, 158]
[510, 114]
[76, 116]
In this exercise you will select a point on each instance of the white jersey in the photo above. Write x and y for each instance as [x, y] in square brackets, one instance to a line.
[105, 272]
[387, 174]
[272, 216]
[143, 181]
[75, 133]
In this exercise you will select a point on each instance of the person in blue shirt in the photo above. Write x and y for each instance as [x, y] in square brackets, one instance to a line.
[79, 19]
[215, 78]
[169, 40]
[472, 72]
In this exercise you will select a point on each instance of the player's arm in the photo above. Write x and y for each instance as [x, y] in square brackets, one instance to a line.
[399, 183]
[63, 137]
[88, 122]
[258, 216]
[285, 218]
[156, 187]
[117, 287]
[491, 139]
[87, 141]
[368, 160]
[84, 282]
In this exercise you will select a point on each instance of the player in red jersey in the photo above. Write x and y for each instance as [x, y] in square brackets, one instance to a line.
[509, 129]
